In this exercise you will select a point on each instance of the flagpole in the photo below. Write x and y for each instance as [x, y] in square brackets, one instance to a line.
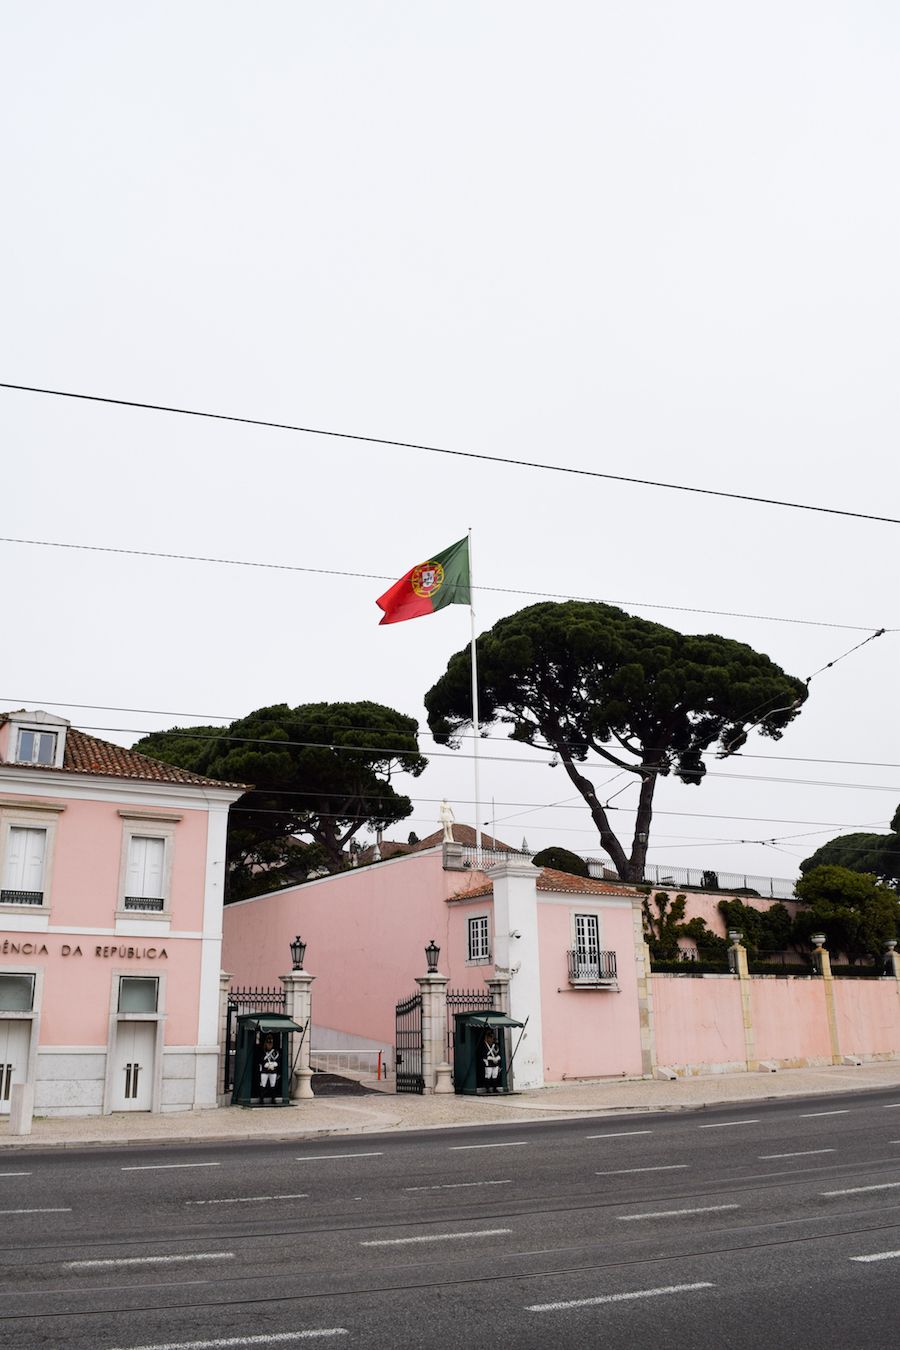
[475, 727]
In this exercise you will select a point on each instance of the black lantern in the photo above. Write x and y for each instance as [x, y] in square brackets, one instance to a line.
[298, 951]
[432, 952]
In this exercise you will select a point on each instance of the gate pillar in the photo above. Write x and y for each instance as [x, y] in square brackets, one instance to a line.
[224, 1043]
[298, 1006]
[435, 1070]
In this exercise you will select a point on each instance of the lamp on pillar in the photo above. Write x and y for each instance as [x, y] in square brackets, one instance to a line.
[298, 952]
[432, 952]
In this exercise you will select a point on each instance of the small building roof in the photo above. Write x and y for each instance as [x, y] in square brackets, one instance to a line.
[550, 879]
[89, 755]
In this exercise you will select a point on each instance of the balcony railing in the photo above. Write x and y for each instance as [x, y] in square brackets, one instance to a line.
[590, 967]
[21, 897]
[145, 902]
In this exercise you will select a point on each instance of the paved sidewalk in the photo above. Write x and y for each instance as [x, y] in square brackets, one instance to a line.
[383, 1111]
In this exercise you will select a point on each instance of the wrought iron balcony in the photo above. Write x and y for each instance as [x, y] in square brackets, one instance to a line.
[593, 968]
[21, 897]
[145, 902]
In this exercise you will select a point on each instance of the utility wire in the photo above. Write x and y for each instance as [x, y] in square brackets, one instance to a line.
[443, 450]
[189, 732]
[384, 576]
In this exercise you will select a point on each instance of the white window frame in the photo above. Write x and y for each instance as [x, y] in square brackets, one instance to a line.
[137, 825]
[29, 817]
[592, 921]
[37, 731]
[478, 953]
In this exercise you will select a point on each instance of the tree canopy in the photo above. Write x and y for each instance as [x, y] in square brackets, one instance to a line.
[562, 859]
[580, 678]
[857, 914]
[875, 853]
[320, 773]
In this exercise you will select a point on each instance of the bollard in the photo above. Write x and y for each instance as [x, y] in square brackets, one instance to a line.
[21, 1108]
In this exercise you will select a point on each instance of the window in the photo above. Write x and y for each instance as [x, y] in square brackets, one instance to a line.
[145, 874]
[138, 993]
[23, 870]
[16, 993]
[479, 949]
[36, 747]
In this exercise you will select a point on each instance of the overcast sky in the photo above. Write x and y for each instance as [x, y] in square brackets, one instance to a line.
[650, 239]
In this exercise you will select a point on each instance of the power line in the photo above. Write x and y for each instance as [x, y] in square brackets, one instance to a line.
[443, 450]
[396, 752]
[384, 576]
[422, 731]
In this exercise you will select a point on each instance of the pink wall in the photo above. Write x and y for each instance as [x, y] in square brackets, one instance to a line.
[867, 1012]
[790, 1019]
[698, 1021]
[87, 859]
[366, 932]
[705, 905]
[588, 1033]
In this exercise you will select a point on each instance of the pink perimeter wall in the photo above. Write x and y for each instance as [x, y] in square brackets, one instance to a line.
[705, 905]
[366, 933]
[790, 1020]
[588, 1033]
[699, 1022]
[868, 1016]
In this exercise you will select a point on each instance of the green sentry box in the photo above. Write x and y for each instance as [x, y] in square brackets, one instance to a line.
[468, 1036]
[250, 1028]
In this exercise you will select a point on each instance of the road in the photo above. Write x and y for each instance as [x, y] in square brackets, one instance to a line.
[769, 1226]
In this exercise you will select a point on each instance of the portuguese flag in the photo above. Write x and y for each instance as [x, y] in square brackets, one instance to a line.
[442, 580]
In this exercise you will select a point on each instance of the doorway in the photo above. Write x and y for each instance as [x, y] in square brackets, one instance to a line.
[133, 1068]
[15, 1042]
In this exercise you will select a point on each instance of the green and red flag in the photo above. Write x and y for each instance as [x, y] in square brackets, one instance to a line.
[442, 580]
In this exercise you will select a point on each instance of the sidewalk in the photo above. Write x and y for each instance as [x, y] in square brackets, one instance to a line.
[381, 1111]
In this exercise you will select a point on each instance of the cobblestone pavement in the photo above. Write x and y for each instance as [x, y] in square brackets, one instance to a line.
[385, 1111]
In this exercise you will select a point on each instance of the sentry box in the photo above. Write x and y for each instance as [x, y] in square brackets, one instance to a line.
[473, 1033]
[263, 1064]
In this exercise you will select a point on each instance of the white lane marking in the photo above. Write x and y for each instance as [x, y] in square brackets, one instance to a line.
[226, 1342]
[877, 1256]
[858, 1190]
[67, 1209]
[619, 1298]
[456, 1185]
[165, 1167]
[435, 1237]
[246, 1199]
[513, 1143]
[147, 1260]
[808, 1115]
[620, 1134]
[15, 1174]
[623, 1171]
[726, 1124]
[673, 1213]
[326, 1157]
[890, 1106]
[805, 1153]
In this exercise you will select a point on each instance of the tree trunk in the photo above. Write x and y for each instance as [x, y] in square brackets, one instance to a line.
[598, 815]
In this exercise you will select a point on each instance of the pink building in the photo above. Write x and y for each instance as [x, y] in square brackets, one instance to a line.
[111, 875]
[564, 953]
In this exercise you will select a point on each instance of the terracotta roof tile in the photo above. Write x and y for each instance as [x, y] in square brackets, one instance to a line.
[87, 754]
[560, 883]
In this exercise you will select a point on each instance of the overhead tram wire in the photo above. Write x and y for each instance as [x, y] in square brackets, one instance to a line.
[383, 576]
[398, 753]
[444, 450]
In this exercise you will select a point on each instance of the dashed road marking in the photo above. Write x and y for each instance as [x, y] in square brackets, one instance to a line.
[858, 1190]
[111, 1261]
[166, 1167]
[877, 1256]
[619, 1298]
[513, 1143]
[246, 1199]
[624, 1171]
[808, 1115]
[327, 1157]
[619, 1134]
[674, 1213]
[235, 1342]
[457, 1185]
[436, 1237]
[726, 1124]
[804, 1153]
[61, 1209]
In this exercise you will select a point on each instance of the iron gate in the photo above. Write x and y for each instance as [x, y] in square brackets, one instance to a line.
[245, 1001]
[408, 1046]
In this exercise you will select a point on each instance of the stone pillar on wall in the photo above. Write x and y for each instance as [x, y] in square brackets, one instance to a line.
[224, 984]
[737, 960]
[436, 1070]
[499, 988]
[645, 992]
[892, 961]
[822, 966]
[298, 1006]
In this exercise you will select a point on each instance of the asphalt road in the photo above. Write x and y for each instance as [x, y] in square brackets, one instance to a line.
[774, 1225]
